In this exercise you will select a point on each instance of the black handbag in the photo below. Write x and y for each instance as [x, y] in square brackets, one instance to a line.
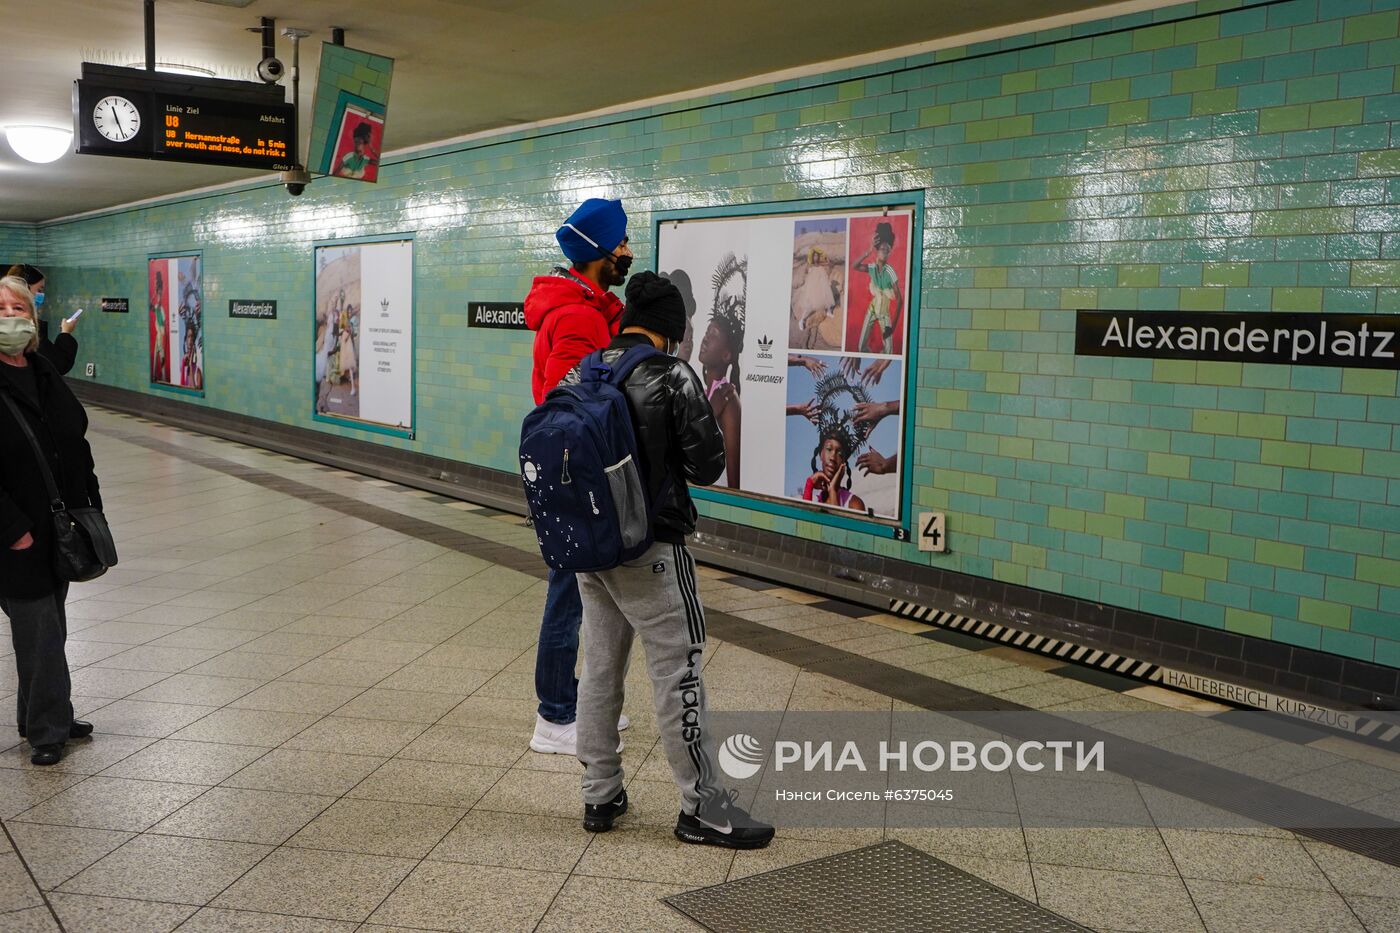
[83, 548]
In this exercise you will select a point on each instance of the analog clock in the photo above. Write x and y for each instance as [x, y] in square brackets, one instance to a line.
[116, 118]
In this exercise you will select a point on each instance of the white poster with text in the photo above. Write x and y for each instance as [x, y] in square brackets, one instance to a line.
[364, 334]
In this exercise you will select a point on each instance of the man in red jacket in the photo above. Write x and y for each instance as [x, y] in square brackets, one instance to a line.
[572, 314]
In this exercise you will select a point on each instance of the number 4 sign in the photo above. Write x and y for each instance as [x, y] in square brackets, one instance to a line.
[933, 531]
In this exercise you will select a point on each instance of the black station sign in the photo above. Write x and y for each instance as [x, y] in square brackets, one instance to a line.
[1363, 341]
[132, 113]
[503, 315]
[116, 305]
[259, 308]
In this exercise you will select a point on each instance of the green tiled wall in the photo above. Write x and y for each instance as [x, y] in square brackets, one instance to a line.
[1222, 155]
[18, 243]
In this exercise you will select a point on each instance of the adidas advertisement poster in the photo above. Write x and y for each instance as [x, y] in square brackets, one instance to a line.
[176, 329]
[363, 337]
[797, 331]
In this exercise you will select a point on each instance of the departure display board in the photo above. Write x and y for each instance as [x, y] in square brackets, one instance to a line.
[195, 129]
[137, 114]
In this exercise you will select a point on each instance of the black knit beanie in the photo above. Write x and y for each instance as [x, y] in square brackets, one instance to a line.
[656, 304]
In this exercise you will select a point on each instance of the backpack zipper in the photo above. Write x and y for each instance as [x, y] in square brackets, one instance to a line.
[565, 478]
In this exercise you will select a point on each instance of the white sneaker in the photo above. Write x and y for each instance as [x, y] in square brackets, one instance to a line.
[553, 739]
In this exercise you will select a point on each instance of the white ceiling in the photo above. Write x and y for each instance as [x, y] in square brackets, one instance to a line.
[461, 65]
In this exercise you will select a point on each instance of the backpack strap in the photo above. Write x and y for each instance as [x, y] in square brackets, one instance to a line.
[593, 368]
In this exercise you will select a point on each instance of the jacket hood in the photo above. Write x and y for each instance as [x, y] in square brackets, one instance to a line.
[561, 288]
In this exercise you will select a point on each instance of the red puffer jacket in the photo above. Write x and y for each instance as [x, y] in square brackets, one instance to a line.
[571, 317]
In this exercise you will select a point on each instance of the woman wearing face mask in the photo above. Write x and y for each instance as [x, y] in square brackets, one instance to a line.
[64, 350]
[30, 594]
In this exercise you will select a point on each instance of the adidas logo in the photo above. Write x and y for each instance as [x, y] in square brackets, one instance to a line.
[765, 347]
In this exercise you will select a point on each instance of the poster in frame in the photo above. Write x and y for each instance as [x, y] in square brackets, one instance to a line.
[175, 314]
[814, 428]
[363, 335]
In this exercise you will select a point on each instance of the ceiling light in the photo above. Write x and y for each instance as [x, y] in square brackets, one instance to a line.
[39, 143]
[173, 68]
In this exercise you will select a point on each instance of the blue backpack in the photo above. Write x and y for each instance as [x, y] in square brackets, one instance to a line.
[582, 470]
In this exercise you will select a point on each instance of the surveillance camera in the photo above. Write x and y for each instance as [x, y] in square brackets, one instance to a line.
[296, 181]
[271, 70]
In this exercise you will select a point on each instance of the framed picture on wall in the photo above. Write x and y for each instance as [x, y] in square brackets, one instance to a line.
[175, 289]
[800, 338]
[358, 142]
[362, 328]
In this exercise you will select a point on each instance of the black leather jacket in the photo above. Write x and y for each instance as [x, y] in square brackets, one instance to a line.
[676, 432]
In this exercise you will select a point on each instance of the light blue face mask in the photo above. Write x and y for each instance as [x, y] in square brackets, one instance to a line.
[39, 300]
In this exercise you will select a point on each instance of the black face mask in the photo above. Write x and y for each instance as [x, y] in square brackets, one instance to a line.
[621, 264]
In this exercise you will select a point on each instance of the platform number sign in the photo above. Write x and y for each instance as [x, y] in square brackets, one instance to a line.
[933, 534]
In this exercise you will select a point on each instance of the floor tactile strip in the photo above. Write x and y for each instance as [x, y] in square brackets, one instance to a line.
[889, 887]
[1382, 731]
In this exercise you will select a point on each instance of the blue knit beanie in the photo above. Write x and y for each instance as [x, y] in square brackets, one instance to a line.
[602, 221]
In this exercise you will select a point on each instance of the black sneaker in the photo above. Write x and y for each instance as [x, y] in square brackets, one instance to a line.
[721, 822]
[598, 817]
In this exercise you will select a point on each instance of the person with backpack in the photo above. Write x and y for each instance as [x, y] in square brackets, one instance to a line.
[605, 462]
[572, 313]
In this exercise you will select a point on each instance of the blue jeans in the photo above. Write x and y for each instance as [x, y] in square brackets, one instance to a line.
[555, 683]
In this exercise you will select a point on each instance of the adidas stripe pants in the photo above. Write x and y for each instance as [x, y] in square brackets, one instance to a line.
[655, 599]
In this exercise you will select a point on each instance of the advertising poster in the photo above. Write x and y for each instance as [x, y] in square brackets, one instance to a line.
[797, 331]
[358, 143]
[176, 310]
[364, 334]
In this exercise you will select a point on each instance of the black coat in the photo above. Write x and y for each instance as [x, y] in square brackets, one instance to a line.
[60, 423]
[676, 433]
[61, 352]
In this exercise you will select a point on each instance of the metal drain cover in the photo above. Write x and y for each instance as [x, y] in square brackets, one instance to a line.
[888, 887]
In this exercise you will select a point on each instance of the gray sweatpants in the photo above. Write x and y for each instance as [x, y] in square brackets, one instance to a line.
[655, 598]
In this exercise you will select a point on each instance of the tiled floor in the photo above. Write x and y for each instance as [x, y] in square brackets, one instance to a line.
[310, 721]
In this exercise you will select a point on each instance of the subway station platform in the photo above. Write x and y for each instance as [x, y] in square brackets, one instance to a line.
[313, 694]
